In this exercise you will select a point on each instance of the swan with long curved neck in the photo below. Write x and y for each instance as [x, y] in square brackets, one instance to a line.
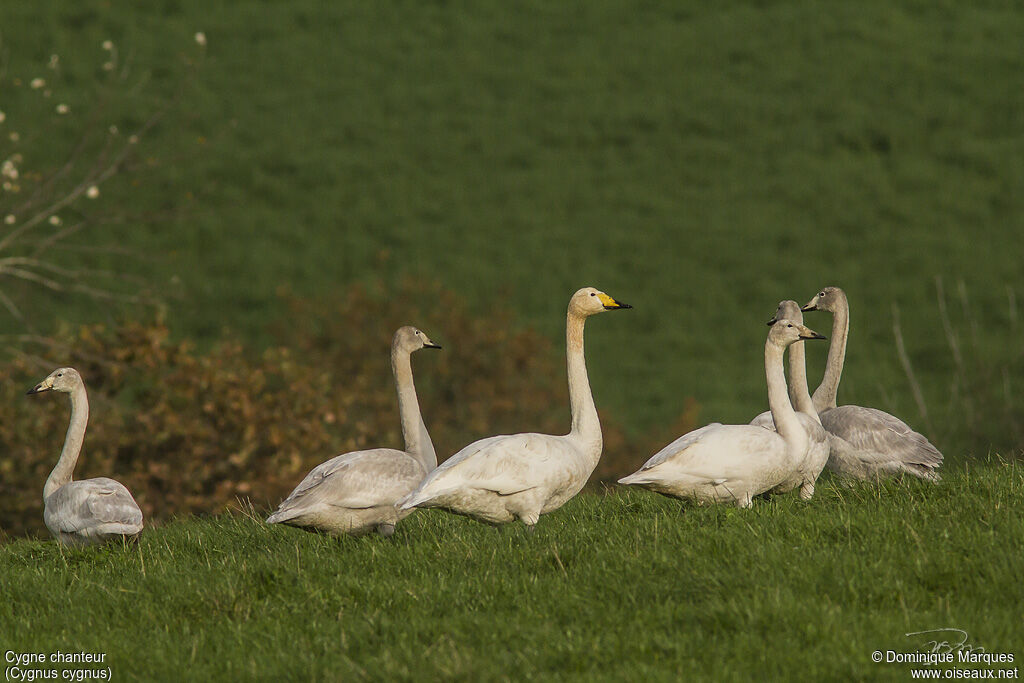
[866, 443]
[355, 493]
[522, 476]
[818, 447]
[87, 511]
[733, 463]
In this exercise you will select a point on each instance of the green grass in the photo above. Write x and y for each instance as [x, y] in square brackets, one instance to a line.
[621, 586]
[700, 161]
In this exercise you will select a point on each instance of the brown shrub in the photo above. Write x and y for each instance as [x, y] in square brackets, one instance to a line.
[188, 432]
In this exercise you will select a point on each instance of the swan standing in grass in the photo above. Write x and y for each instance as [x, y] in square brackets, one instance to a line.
[733, 463]
[90, 510]
[818, 447]
[356, 492]
[522, 476]
[866, 443]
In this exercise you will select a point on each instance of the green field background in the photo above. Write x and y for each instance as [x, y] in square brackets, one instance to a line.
[700, 161]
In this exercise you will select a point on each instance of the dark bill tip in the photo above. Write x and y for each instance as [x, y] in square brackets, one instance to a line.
[813, 336]
[618, 304]
[432, 346]
[808, 307]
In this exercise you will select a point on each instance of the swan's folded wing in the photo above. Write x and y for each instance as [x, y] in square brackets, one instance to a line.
[503, 464]
[878, 433]
[363, 479]
[84, 504]
[679, 445]
[764, 420]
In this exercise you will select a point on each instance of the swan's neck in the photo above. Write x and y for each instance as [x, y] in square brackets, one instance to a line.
[417, 440]
[825, 394]
[585, 424]
[786, 421]
[798, 393]
[73, 441]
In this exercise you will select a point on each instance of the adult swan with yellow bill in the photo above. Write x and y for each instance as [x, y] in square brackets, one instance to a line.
[522, 476]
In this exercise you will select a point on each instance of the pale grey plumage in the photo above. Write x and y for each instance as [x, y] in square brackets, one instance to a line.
[355, 493]
[92, 511]
[865, 443]
[877, 443]
[88, 511]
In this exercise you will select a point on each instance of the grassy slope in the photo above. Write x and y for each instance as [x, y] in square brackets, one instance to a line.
[700, 162]
[610, 587]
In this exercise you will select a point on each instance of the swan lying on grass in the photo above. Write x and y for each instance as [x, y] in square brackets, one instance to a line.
[733, 463]
[522, 476]
[355, 493]
[866, 443]
[87, 511]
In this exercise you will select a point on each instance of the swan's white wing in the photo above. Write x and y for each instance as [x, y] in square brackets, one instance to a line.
[79, 506]
[505, 465]
[679, 445]
[881, 436]
[764, 420]
[747, 456]
[362, 479]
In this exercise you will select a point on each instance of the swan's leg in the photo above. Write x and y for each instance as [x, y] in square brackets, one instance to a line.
[385, 529]
[807, 490]
[746, 501]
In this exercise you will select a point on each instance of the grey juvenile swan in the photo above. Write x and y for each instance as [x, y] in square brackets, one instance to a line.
[818, 446]
[866, 443]
[90, 510]
[733, 463]
[356, 492]
[522, 476]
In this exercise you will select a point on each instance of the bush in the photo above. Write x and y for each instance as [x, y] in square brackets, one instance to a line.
[190, 431]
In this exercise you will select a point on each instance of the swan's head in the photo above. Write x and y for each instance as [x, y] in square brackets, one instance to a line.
[589, 301]
[411, 339]
[787, 310]
[828, 299]
[785, 332]
[62, 379]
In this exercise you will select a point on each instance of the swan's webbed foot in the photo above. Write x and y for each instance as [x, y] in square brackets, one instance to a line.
[807, 490]
[385, 529]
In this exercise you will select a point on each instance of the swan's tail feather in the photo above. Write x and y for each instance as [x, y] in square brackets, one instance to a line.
[637, 478]
[279, 516]
[923, 472]
[410, 501]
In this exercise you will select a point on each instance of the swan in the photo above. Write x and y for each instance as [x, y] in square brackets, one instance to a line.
[733, 463]
[88, 511]
[866, 443]
[522, 476]
[818, 448]
[355, 493]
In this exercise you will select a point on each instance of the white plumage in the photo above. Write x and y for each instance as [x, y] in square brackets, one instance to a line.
[522, 476]
[90, 510]
[818, 439]
[733, 463]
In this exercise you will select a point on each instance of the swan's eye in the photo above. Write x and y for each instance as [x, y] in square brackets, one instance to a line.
[789, 326]
[60, 374]
[821, 293]
[593, 294]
